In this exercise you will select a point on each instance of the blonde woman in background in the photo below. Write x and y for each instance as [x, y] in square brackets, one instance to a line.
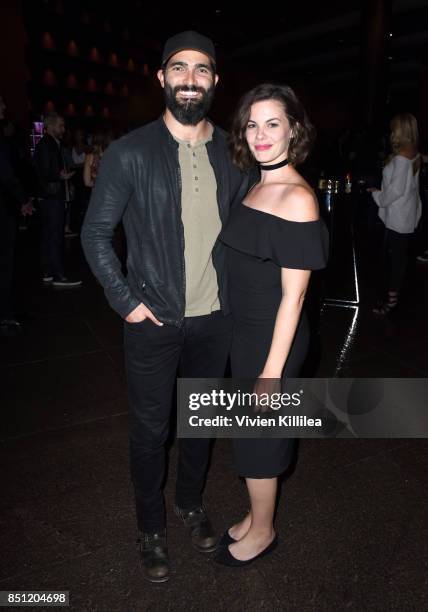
[399, 204]
[92, 160]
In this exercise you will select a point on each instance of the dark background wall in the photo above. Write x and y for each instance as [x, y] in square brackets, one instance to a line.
[353, 63]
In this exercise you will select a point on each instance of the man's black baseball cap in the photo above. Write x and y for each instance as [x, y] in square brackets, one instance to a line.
[188, 40]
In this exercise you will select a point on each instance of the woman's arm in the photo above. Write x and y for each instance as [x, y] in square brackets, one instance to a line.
[294, 285]
[299, 205]
[393, 182]
[87, 178]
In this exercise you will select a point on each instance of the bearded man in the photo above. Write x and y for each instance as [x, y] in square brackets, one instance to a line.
[172, 183]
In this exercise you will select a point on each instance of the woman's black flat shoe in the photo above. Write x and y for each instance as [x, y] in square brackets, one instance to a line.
[226, 558]
[226, 539]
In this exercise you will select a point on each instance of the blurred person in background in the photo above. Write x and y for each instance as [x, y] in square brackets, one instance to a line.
[81, 193]
[13, 201]
[423, 226]
[100, 142]
[399, 205]
[54, 177]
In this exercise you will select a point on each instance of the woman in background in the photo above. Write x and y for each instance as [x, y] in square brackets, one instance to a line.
[399, 204]
[78, 207]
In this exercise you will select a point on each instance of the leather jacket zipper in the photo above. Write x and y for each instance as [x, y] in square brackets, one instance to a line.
[183, 266]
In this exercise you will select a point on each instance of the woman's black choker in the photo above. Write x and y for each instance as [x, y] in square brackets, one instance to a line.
[280, 164]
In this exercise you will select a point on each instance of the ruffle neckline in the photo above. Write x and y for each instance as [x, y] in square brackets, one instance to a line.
[289, 244]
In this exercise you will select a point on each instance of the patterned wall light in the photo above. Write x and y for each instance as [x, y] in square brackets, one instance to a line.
[49, 77]
[71, 81]
[47, 41]
[95, 55]
[114, 61]
[49, 107]
[92, 84]
[72, 49]
[70, 109]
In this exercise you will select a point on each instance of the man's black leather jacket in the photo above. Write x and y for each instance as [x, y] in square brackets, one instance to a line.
[12, 194]
[140, 181]
[49, 163]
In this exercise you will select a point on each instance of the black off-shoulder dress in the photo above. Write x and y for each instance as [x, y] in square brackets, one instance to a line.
[259, 245]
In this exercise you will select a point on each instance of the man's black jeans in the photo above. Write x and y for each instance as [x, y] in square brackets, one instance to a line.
[153, 356]
[8, 223]
[52, 245]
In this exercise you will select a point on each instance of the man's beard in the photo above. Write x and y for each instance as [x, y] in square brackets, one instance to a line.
[191, 111]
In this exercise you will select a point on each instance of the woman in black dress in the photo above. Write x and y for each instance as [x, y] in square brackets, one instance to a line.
[274, 239]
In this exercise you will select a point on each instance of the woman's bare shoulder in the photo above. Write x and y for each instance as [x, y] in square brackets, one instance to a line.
[298, 203]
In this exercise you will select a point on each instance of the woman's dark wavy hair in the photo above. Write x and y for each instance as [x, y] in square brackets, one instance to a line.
[303, 131]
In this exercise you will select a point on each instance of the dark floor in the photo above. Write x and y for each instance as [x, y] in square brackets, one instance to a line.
[352, 518]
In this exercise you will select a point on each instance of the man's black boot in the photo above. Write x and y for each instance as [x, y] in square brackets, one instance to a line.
[154, 554]
[202, 533]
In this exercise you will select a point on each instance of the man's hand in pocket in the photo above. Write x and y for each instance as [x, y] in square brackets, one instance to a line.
[141, 313]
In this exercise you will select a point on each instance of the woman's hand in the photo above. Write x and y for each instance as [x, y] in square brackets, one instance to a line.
[66, 175]
[265, 387]
[372, 189]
